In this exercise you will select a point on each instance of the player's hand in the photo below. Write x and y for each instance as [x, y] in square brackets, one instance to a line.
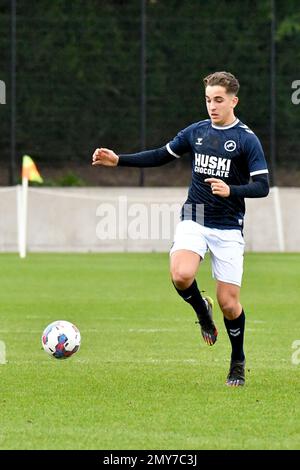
[218, 187]
[105, 157]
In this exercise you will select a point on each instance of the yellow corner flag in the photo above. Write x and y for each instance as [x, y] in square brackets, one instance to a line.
[29, 170]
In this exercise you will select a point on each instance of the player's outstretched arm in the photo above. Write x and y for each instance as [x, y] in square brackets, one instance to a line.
[147, 158]
[105, 157]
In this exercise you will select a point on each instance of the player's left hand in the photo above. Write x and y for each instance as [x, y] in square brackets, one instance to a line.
[218, 187]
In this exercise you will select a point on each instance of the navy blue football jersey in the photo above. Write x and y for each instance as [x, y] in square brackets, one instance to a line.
[231, 153]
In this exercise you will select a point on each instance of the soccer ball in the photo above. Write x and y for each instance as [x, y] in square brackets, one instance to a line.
[61, 339]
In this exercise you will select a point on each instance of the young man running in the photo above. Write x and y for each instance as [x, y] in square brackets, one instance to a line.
[228, 166]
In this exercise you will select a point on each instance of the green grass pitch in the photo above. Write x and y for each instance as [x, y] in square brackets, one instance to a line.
[144, 378]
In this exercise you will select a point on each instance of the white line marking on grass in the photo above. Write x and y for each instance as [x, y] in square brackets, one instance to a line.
[80, 361]
[150, 330]
[168, 361]
[112, 318]
[143, 361]
[23, 331]
[256, 321]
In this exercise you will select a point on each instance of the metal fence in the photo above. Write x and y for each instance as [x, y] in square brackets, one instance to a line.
[128, 75]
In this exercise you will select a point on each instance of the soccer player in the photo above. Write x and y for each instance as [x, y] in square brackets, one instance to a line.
[228, 166]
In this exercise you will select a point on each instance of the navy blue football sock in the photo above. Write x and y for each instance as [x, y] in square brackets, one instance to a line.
[235, 329]
[193, 297]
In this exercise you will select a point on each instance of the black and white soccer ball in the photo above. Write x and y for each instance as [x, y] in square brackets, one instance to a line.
[61, 339]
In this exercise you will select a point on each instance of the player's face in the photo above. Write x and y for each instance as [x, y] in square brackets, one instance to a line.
[220, 105]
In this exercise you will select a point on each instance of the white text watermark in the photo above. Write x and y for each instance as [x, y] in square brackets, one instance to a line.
[2, 353]
[125, 220]
[296, 354]
[296, 94]
[2, 92]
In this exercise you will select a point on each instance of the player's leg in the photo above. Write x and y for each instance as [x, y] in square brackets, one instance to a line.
[228, 296]
[188, 250]
[227, 252]
[184, 265]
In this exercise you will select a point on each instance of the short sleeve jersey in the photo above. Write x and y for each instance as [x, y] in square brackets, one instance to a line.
[231, 153]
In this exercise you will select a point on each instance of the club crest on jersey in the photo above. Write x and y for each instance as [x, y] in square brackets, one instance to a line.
[212, 165]
[230, 145]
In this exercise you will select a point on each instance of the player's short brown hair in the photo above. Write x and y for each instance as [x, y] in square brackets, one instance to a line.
[225, 79]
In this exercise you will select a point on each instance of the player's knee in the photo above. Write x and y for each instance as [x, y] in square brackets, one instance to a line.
[182, 278]
[228, 305]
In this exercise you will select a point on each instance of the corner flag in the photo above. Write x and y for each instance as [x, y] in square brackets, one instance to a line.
[29, 170]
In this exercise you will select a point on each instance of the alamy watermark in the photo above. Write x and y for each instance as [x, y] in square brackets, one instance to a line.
[295, 359]
[2, 353]
[2, 92]
[296, 94]
[125, 220]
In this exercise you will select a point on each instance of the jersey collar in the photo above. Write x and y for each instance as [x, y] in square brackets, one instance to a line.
[223, 128]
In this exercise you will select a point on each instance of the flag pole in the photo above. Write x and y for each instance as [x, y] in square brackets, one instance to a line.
[19, 215]
[23, 217]
[29, 173]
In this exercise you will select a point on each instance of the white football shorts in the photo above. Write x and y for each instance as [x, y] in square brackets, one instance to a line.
[226, 248]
